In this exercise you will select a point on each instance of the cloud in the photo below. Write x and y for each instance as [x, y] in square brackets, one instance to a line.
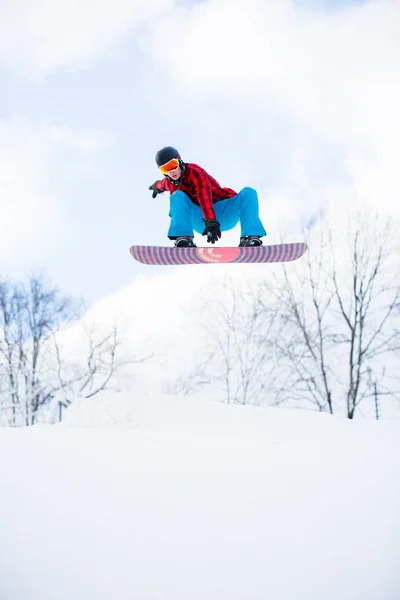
[40, 37]
[331, 80]
[33, 217]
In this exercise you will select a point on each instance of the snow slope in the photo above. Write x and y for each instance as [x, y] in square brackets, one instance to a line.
[175, 499]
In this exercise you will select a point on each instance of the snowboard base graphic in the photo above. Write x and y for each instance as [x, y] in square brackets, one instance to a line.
[166, 255]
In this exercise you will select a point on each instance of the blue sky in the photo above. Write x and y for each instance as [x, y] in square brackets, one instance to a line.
[283, 96]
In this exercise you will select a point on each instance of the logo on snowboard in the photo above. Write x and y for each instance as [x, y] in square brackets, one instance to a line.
[213, 256]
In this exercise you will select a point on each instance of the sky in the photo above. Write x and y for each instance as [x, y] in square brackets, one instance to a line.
[144, 497]
[298, 99]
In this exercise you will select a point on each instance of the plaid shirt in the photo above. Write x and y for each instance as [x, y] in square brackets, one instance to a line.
[201, 188]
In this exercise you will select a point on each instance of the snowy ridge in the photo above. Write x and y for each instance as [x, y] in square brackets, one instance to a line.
[171, 498]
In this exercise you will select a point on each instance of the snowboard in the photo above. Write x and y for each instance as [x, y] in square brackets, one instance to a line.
[166, 255]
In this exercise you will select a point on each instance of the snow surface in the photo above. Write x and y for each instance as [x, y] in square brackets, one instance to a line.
[175, 499]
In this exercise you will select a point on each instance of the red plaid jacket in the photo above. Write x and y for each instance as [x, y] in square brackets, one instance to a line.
[201, 188]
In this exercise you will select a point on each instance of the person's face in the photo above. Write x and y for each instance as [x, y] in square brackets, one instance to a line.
[175, 174]
[172, 169]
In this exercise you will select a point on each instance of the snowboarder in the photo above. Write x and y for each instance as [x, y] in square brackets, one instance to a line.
[199, 203]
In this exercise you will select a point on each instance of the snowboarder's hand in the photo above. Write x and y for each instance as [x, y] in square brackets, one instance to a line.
[212, 230]
[155, 190]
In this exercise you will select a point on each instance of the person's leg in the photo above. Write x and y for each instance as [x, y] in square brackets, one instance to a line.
[244, 208]
[185, 216]
[227, 213]
[250, 222]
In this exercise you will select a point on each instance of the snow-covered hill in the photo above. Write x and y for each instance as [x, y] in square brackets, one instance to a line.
[175, 499]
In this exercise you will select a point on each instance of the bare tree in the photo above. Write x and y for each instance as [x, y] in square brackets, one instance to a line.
[28, 317]
[339, 328]
[33, 368]
[237, 357]
[320, 333]
[306, 335]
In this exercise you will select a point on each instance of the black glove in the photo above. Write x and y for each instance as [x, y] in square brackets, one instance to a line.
[212, 230]
[155, 190]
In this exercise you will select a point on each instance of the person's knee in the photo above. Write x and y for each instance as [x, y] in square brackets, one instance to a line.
[248, 195]
[249, 191]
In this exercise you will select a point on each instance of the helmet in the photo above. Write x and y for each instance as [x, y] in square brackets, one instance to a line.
[166, 154]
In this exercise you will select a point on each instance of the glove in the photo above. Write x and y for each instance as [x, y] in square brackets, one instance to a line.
[212, 230]
[155, 190]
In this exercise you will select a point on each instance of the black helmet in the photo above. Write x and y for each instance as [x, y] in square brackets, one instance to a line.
[166, 154]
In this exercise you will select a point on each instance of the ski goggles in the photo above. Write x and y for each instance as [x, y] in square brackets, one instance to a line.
[169, 166]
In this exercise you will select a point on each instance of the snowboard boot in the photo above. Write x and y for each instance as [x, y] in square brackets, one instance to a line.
[250, 240]
[184, 242]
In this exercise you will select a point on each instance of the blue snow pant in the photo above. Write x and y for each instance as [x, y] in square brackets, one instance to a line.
[187, 216]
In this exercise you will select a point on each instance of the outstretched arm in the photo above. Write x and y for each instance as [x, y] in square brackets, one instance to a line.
[160, 186]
